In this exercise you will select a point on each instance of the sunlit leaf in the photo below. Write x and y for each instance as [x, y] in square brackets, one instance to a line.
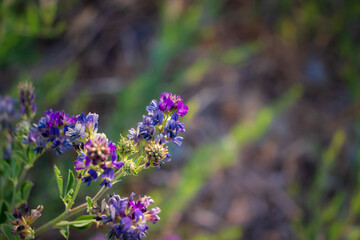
[81, 223]
[70, 182]
[59, 180]
[65, 232]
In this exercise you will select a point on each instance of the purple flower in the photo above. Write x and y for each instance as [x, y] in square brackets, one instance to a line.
[85, 127]
[95, 155]
[153, 107]
[99, 149]
[51, 132]
[161, 126]
[108, 176]
[182, 109]
[146, 128]
[172, 127]
[166, 103]
[92, 175]
[134, 135]
[82, 162]
[61, 145]
[128, 218]
[170, 102]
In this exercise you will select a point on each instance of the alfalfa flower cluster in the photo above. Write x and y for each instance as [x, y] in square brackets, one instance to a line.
[98, 160]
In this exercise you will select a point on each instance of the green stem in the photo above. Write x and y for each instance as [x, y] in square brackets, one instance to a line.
[84, 205]
[72, 212]
[23, 174]
[46, 226]
[14, 193]
[77, 188]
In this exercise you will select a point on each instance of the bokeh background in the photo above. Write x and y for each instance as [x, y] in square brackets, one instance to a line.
[271, 149]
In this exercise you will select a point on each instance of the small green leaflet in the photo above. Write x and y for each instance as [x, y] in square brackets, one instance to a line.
[59, 179]
[25, 190]
[81, 223]
[89, 204]
[70, 182]
[65, 232]
[15, 168]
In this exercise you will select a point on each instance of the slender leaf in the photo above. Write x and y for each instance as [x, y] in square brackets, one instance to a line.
[25, 189]
[65, 232]
[15, 168]
[59, 179]
[31, 155]
[81, 223]
[7, 169]
[70, 182]
[19, 155]
[85, 217]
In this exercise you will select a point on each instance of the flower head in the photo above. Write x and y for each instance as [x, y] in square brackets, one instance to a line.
[166, 102]
[170, 102]
[159, 127]
[51, 132]
[128, 218]
[98, 157]
[99, 149]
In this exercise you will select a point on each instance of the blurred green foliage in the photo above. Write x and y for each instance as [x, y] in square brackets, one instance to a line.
[211, 157]
[230, 233]
[179, 29]
[22, 22]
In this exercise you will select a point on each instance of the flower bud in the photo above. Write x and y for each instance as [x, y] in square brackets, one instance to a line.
[27, 99]
[130, 168]
[126, 146]
[157, 153]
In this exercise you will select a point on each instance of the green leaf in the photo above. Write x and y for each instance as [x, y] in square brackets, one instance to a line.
[19, 155]
[25, 189]
[6, 229]
[7, 168]
[9, 216]
[31, 155]
[59, 180]
[3, 209]
[70, 182]
[65, 232]
[15, 168]
[85, 217]
[81, 223]
[89, 204]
